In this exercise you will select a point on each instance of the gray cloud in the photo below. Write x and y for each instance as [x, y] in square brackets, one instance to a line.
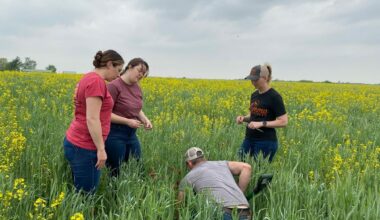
[22, 17]
[213, 39]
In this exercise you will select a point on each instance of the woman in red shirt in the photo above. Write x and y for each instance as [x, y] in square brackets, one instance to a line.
[84, 142]
[127, 115]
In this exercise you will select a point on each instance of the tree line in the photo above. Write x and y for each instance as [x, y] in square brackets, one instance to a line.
[18, 65]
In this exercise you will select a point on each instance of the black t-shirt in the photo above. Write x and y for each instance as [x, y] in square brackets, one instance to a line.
[267, 106]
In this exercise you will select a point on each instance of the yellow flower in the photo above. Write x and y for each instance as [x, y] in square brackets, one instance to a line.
[58, 200]
[40, 203]
[77, 216]
[311, 175]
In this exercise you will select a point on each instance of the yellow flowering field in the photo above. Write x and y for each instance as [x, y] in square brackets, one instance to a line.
[327, 165]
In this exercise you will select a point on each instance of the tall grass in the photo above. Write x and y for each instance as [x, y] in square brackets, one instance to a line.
[327, 166]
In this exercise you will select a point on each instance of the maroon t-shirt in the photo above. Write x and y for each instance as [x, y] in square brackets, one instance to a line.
[127, 98]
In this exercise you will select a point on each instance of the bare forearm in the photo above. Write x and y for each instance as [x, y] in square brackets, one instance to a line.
[247, 118]
[180, 197]
[95, 129]
[278, 123]
[179, 202]
[119, 119]
[243, 170]
[142, 116]
[244, 178]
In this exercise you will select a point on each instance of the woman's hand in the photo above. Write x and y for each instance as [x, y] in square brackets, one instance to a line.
[133, 123]
[147, 124]
[102, 157]
[255, 124]
[239, 119]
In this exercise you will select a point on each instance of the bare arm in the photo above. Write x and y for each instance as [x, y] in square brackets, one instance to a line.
[240, 119]
[125, 121]
[244, 172]
[93, 106]
[147, 124]
[181, 196]
[280, 122]
[247, 118]
[181, 190]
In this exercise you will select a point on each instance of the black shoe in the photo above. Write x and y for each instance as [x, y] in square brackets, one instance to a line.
[263, 181]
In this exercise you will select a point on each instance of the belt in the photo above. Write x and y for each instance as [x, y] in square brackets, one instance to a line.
[244, 211]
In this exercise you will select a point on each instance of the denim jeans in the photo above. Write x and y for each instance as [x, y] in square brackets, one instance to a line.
[228, 216]
[122, 142]
[82, 162]
[254, 147]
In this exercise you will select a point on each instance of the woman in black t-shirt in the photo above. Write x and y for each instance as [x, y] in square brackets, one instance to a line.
[267, 112]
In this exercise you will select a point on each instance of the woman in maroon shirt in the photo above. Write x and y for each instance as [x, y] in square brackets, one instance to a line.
[84, 140]
[127, 115]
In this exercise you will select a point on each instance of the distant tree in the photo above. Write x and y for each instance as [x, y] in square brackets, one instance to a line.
[306, 81]
[15, 64]
[3, 63]
[51, 68]
[29, 64]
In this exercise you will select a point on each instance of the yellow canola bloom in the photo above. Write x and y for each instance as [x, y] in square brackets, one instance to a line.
[77, 216]
[58, 200]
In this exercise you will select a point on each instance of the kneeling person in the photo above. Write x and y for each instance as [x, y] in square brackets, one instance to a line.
[216, 177]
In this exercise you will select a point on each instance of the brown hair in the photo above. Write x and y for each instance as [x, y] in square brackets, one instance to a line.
[135, 62]
[197, 160]
[101, 58]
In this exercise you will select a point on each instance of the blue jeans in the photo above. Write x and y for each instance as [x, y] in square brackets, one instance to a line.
[82, 162]
[122, 141]
[227, 215]
[254, 147]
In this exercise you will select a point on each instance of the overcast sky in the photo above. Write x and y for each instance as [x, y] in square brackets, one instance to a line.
[222, 39]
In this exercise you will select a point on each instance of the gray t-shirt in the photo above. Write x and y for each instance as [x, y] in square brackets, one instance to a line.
[216, 178]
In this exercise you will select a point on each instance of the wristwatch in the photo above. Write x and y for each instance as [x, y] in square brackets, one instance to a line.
[264, 123]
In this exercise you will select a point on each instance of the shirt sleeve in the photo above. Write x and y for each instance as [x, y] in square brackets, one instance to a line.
[183, 185]
[112, 89]
[95, 88]
[278, 106]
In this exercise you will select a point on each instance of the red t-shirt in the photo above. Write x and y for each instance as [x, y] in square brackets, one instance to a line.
[128, 98]
[91, 85]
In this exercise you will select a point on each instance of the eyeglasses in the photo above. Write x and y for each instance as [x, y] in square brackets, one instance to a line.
[142, 71]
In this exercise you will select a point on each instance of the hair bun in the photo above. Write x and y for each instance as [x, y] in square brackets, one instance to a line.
[102, 58]
[98, 59]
